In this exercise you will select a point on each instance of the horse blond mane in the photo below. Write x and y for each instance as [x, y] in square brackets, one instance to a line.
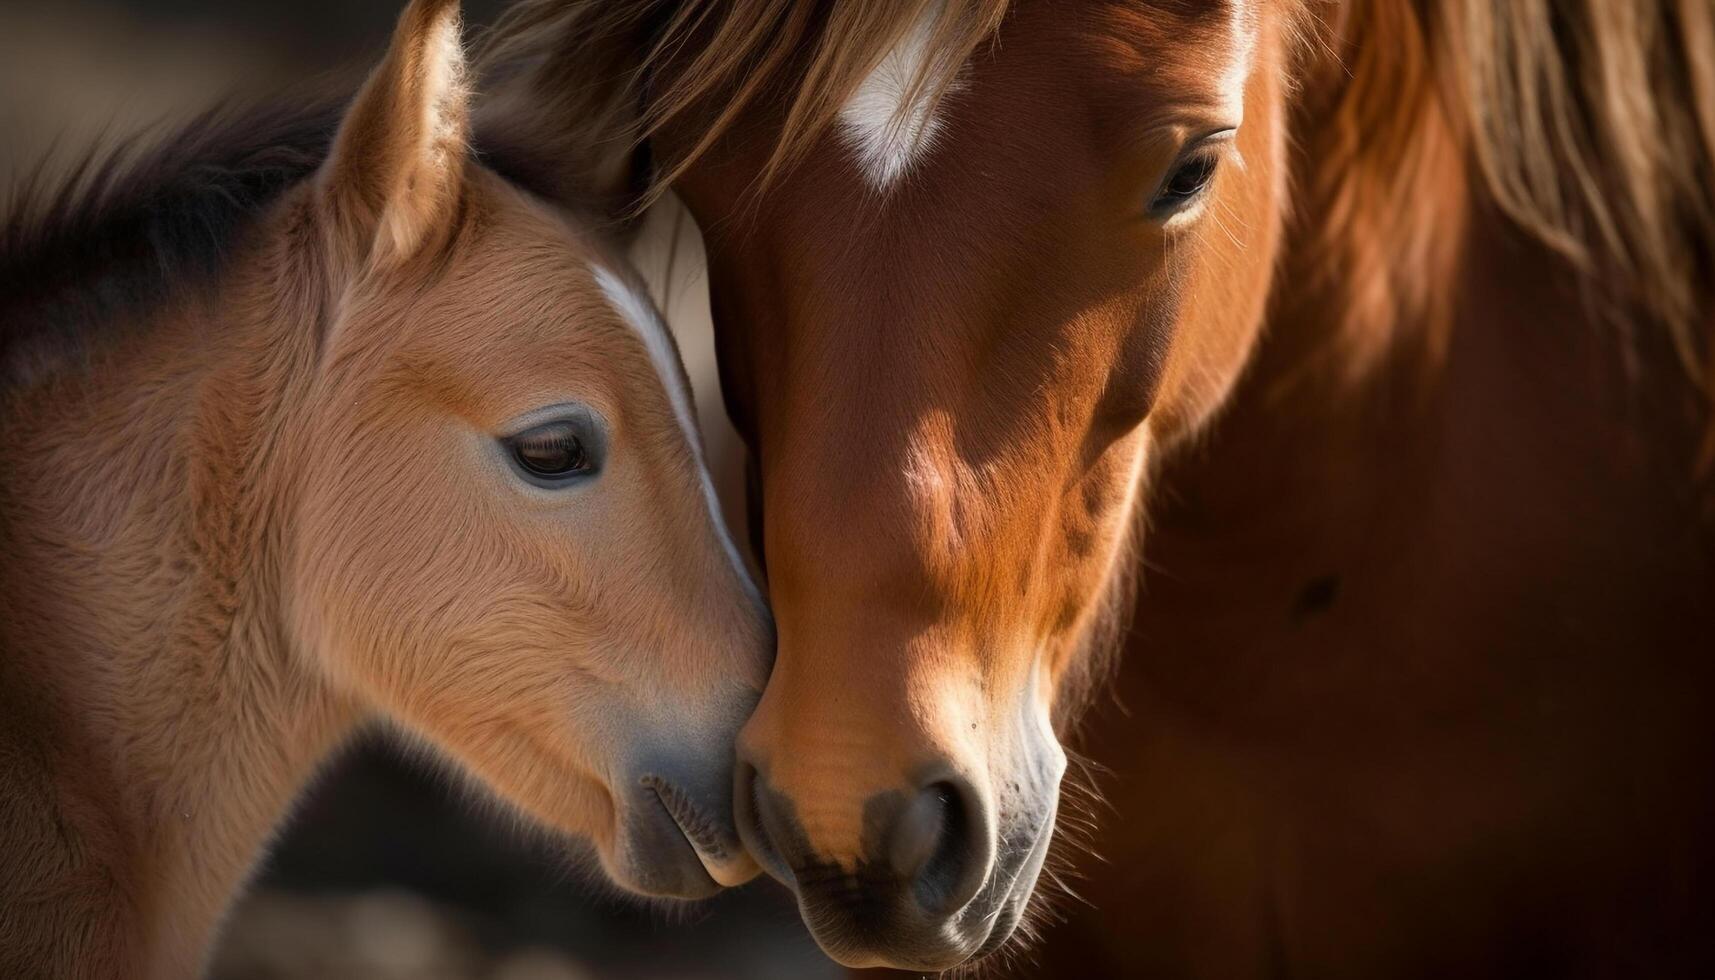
[1380, 202]
[1589, 123]
[1593, 123]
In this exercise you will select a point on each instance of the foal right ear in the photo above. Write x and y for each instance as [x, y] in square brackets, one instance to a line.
[392, 182]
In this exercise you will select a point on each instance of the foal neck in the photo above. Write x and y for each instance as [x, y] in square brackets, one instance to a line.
[158, 725]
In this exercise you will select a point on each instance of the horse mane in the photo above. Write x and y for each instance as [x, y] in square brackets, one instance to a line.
[1589, 124]
[1380, 203]
[128, 227]
[1594, 125]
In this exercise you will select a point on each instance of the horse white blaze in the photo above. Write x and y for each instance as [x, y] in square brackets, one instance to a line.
[887, 134]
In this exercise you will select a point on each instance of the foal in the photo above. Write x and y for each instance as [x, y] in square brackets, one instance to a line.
[300, 435]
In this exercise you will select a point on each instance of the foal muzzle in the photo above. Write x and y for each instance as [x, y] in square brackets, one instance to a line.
[676, 837]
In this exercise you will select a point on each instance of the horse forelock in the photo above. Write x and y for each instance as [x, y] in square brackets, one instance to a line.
[729, 54]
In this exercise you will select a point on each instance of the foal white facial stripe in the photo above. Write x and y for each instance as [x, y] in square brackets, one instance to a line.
[886, 134]
[640, 314]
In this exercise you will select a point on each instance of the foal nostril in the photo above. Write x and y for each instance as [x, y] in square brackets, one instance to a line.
[934, 846]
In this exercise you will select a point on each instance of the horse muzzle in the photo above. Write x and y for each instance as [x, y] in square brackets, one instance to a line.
[942, 877]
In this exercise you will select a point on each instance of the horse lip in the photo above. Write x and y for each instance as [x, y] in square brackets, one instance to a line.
[662, 861]
[703, 834]
[1010, 910]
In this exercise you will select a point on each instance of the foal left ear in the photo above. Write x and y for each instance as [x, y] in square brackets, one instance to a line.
[392, 181]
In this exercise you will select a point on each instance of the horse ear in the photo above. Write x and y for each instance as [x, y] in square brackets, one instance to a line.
[392, 181]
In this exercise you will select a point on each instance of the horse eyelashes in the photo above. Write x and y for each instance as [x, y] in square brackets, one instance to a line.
[1189, 179]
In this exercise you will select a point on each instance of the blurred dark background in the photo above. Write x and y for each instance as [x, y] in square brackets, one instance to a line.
[388, 868]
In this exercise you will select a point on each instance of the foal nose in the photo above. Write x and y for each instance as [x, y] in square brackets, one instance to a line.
[924, 852]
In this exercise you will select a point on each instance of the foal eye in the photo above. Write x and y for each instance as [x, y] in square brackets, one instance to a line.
[1183, 186]
[553, 452]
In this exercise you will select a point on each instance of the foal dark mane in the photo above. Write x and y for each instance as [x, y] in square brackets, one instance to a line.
[128, 227]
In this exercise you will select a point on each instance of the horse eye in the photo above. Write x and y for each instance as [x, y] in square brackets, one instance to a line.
[1184, 184]
[553, 452]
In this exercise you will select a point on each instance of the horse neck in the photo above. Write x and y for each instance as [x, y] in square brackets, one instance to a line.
[1404, 272]
[143, 528]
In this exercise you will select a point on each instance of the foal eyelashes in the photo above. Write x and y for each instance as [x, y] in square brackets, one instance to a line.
[552, 453]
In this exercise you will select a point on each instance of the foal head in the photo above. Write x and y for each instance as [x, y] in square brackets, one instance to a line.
[963, 291]
[502, 537]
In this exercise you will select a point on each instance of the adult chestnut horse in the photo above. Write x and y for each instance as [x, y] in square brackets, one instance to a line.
[1420, 676]
[301, 438]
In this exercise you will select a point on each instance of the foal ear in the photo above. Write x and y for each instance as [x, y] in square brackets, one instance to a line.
[392, 181]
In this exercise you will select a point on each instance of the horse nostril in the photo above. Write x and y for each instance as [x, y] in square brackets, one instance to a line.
[917, 836]
[933, 846]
